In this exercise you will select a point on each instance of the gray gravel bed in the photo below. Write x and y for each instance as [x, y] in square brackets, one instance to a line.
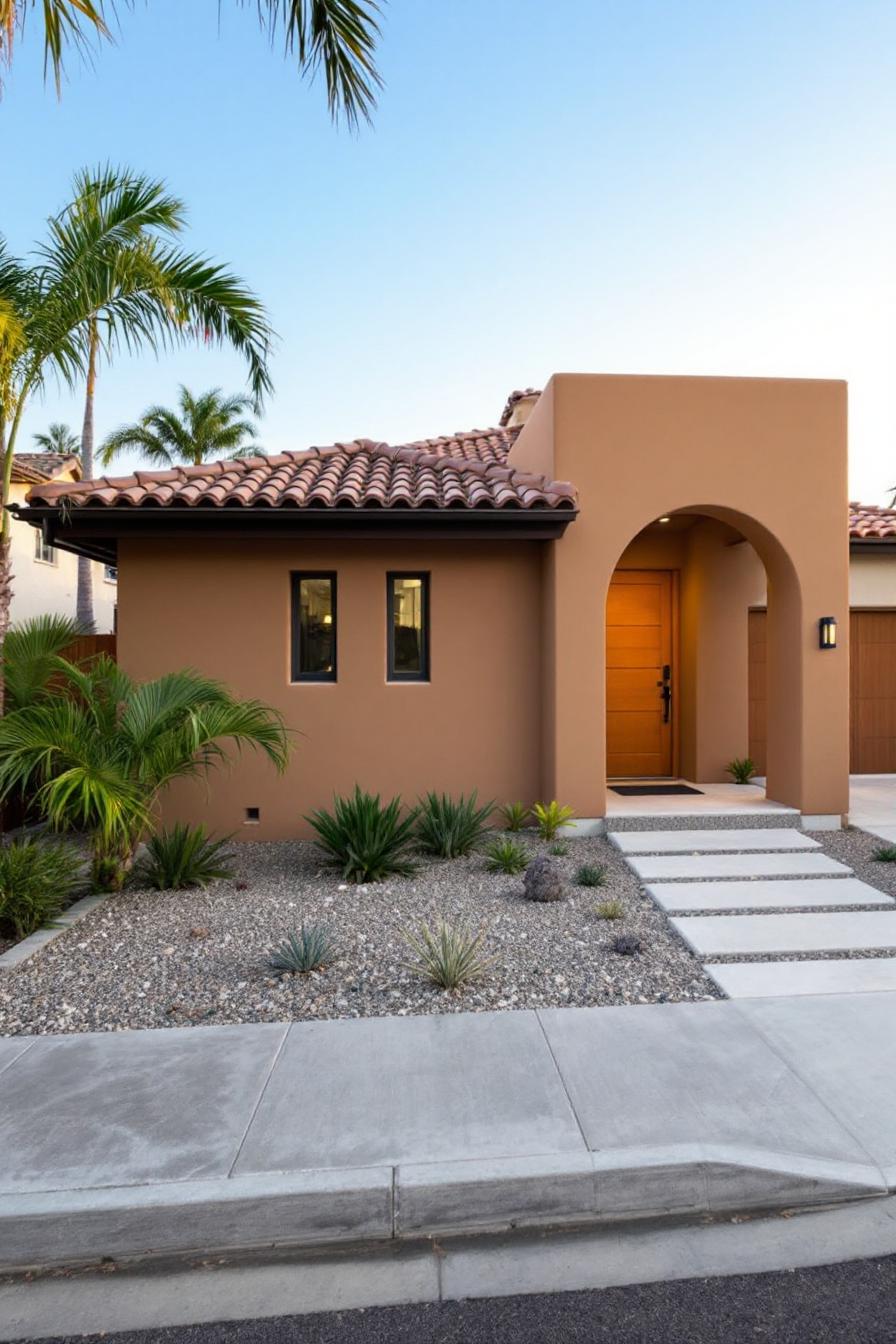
[157, 959]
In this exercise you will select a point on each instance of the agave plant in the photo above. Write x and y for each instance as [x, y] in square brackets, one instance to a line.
[183, 856]
[308, 950]
[450, 955]
[451, 827]
[551, 817]
[506, 856]
[367, 839]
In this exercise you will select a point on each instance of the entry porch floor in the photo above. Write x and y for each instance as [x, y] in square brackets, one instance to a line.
[713, 800]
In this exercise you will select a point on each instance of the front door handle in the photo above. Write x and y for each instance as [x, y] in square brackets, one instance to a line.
[666, 692]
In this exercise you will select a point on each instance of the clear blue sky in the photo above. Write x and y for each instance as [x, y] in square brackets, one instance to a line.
[677, 186]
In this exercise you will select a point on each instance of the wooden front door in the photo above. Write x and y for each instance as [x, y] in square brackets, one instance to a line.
[640, 675]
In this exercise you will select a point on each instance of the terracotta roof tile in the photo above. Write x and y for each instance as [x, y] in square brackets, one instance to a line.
[461, 471]
[35, 468]
[871, 522]
[512, 400]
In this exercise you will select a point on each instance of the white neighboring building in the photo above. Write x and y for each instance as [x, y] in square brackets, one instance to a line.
[45, 579]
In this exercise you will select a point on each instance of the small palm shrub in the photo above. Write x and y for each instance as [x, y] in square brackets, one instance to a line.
[551, 817]
[183, 856]
[450, 955]
[741, 769]
[308, 950]
[506, 856]
[885, 854]
[451, 827]
[592, 875]
[37, 881]
[514, 816]
[611, 909]
[367, 839]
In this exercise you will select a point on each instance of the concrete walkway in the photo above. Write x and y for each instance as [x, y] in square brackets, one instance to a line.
[398, 1129]
[755, 893]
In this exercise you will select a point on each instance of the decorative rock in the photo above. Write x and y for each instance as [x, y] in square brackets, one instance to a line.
[542, 880]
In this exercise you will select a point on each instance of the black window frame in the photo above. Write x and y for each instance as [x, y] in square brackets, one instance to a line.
[297, 578]
[392, 673]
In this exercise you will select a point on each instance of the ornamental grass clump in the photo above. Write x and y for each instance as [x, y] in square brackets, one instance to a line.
[514, 816]
[885, 854]
[506, 856]
[449, 955]
[448, 827]
[38, 879]
[611, 909]
[551, 817]
[309, 949]
[368, 840]
[183, 856]
[592, 875]
[741, 769]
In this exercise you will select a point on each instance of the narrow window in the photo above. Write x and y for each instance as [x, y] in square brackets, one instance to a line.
[407, 599]
[314, 627]
[42, 552]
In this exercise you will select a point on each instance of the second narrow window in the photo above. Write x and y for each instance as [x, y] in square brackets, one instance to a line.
[408, 629]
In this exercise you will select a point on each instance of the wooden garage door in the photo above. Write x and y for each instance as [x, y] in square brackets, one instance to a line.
[872, 691]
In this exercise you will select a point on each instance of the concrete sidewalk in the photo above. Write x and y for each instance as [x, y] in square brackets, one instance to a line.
[319, 1134]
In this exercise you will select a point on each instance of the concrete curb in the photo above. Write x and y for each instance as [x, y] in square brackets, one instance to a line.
[19, 952]
[370, 1206]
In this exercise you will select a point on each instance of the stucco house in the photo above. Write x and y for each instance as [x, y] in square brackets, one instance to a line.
[44, 577]
[629, 577]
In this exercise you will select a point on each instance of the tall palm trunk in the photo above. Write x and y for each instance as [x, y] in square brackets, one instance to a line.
[84, 604]
[5, 551]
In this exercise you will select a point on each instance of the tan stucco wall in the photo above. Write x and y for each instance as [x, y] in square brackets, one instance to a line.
[737, 450]
[224, 608]
[872, 580]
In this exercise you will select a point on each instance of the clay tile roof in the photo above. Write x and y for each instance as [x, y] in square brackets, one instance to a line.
[460, 471]
[35, 468]
[871, 522]
[514, 398]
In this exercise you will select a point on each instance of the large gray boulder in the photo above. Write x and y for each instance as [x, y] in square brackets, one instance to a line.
[542, 880]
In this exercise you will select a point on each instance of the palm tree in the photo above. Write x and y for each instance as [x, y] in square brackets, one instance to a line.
[58, 439]
[98, 749]
[336, 36]
[110, 276]
[203, 428]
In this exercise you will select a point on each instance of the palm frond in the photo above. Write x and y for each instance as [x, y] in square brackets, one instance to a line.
[31, 656]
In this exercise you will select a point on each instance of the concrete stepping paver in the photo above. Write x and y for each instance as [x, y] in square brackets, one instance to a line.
[768, 894]
[769, 979]
[709, 842]
[752, 935]
[705, 867]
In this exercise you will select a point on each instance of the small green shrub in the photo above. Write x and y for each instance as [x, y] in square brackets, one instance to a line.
[368, 840]
[592, 875]
[551, 817]
[506, 856]
[308, 950]
[559, 848]
[611, 909]
[38, 879]
[885, 854]
[741, 769]
[514, 816]
[183, 856]
[450, 955]
[451, 827]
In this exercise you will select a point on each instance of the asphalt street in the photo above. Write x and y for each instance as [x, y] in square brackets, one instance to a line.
[835, 1304]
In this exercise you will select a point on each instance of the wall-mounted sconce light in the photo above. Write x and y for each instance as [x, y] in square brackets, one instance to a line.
[827, 632]
[664, 519]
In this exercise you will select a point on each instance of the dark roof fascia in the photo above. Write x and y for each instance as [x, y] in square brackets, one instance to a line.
[872, 544]
[95, 531]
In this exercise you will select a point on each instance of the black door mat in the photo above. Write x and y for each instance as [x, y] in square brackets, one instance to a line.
[652, 790]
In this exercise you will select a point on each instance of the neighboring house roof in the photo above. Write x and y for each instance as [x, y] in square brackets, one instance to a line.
[871, 522]
[514, 398]
[36, 468]
[463, 471]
